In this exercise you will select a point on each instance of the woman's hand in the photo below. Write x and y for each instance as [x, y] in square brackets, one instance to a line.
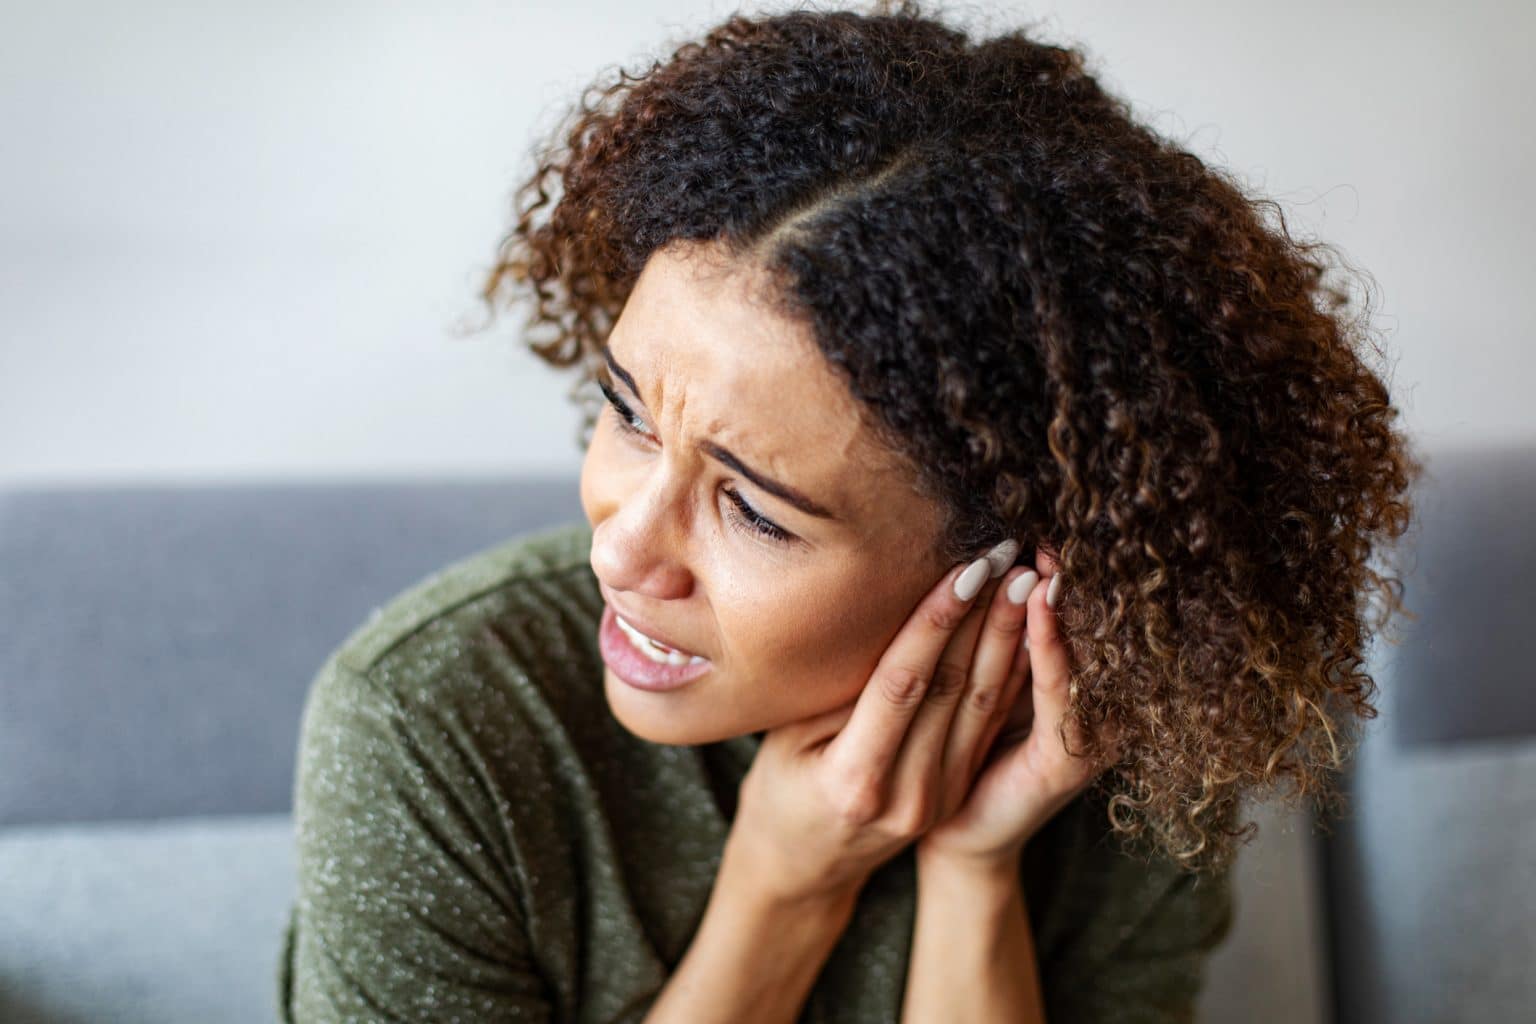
[1028, 776]
[830, 798]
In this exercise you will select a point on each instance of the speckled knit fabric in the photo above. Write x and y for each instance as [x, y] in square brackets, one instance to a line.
[480, 840]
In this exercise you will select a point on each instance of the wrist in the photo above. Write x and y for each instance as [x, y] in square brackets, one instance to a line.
[754, 957]
[988, 890]
[754, 887]
[973, 953]
[994, 872]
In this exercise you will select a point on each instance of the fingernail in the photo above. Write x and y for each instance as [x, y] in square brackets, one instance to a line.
[968, 583]
[1054, 590]
[1002, 555]
[1020, 589]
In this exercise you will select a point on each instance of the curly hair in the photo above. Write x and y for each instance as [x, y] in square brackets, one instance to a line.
[1071, 329]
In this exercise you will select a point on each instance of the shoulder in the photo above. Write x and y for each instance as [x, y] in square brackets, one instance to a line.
[484, 655]
[427, 789]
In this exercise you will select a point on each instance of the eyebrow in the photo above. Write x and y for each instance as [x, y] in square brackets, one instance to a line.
[728, 458]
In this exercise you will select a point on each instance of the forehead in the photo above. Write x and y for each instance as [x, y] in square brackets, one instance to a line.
[714, 359]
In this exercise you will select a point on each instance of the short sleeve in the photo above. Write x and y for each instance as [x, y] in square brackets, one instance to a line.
[405, 908]
[1154, 973]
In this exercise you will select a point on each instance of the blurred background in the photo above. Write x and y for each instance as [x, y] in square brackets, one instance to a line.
[239, 245]
[236, 236]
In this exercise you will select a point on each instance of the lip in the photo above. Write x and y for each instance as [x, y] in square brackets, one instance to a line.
[635, 668]
[645, 627]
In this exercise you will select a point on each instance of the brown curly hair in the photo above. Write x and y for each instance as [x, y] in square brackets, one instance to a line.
[1072, 329]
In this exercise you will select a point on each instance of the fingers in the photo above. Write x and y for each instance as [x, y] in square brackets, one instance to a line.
[918, 764]
[1050, 666]
[1052, 689]
[997, 672]
[1017, 698]
[897, 690]
[955, 678]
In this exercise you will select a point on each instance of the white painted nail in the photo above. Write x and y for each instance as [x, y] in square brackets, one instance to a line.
[1002, 555]
[1053, 591]
[968, 583]
[1020, 589]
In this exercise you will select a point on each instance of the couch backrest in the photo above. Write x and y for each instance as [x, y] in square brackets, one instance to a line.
[1431, 874]
[156, 643]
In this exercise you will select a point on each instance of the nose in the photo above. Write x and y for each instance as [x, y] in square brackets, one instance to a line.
[641, 545]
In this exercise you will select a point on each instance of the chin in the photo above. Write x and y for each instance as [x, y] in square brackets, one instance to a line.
[661, 717]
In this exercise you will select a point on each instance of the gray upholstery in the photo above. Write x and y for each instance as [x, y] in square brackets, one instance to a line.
[158, 641]
[1433, 885]
[1473, 586]
[1430, 879]
[157, 644]
[175, 920]
[1273, 967]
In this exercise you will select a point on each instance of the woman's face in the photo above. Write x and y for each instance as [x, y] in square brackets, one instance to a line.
[792, 625]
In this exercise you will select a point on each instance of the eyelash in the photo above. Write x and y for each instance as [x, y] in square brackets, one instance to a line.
[745, 516]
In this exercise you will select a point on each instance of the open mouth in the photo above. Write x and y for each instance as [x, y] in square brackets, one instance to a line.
[657, 652]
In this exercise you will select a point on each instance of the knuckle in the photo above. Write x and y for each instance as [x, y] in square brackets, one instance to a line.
[857, 803]
[985, 699]
[903, 686]
[944, 616]
[949, 681]
[1008, 626]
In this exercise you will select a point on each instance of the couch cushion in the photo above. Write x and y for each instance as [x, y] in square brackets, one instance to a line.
[177, 920]
[1432, 882]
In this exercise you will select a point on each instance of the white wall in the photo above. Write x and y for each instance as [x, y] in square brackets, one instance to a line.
[235, 238]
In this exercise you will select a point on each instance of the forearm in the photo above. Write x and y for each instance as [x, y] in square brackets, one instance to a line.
[973, 953]
[754, 958]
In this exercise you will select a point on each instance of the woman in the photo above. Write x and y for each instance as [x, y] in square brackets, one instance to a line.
[782, 731]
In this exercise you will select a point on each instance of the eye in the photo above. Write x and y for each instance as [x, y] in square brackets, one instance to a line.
[627, 418]
[750, 519]
[744, 516]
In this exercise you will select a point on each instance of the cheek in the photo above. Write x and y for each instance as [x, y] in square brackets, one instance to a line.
[816, 649]
[597, 477]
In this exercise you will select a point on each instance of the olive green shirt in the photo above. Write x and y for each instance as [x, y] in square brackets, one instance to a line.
[479, 839]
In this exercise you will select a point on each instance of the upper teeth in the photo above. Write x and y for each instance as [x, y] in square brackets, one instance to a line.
[651, 649]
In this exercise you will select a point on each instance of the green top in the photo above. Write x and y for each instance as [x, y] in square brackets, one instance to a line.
[479, 839]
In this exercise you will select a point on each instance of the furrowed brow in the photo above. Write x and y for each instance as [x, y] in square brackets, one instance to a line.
[724, 456]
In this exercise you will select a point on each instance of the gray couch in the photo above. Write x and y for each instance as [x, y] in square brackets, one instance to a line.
[156, 644]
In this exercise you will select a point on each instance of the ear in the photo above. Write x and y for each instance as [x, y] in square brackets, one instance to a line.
[1045, 565]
